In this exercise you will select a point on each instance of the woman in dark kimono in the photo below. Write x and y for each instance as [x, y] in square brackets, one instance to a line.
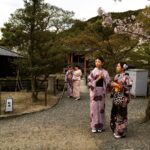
[97, 83]
[121, 88]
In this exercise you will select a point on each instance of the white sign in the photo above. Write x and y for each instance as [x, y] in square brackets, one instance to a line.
[9, 105]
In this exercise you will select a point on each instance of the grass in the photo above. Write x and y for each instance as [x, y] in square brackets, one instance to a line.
[22, 102]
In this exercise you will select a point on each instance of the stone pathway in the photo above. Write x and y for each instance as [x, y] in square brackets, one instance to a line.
[66, 127]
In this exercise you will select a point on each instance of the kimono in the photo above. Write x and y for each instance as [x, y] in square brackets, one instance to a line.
[76, 83]
[119, 120]
[68, 79]
[97, 98]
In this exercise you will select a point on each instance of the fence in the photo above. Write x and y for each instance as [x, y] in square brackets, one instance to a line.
[22, 99]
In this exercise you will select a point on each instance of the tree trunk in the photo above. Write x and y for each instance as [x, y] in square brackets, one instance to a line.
[31, 53]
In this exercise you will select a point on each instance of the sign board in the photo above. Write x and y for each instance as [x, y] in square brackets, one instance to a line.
[9, 104]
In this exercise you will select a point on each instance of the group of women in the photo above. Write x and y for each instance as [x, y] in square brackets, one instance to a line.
[72, 78]
[98, 83]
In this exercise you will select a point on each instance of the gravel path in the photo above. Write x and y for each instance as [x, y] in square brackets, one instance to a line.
[66, 127]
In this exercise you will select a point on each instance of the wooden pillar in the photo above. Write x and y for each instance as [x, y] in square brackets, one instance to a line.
[0, 100]
[68, 59]
[51, 84]
[78, 60]
[85, 65]
[71, 59]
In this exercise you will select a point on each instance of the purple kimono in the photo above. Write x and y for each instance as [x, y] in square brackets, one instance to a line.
[68, 79]
[97, 97]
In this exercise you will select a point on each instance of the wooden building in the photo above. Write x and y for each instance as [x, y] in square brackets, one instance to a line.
[80, 58]
[7, 67]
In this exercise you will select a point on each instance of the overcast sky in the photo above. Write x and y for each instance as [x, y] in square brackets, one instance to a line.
[84, 9]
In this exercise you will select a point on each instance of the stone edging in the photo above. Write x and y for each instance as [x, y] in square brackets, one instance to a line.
[2, 117]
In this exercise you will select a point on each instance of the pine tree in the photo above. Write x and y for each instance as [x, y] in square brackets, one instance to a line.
[34, 31]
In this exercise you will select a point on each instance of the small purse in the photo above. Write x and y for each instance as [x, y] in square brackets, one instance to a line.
[118, 98]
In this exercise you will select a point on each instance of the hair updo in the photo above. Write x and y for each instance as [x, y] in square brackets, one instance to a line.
[100, 58]
[124, 65]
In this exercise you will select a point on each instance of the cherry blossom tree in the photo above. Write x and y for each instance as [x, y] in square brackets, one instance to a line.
[136, 26]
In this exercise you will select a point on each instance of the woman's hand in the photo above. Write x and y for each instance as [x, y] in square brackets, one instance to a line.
[114, 84]
[99, 77]
[102, 75]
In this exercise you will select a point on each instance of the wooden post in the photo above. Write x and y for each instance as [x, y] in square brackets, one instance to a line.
[78, 60]
[85, 65]
[0, 99]
[71, 58]
[54, 86]
[46, 97]
[51, 85]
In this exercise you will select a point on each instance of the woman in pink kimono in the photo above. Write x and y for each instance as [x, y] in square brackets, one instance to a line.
[97, 83]
[76, 82]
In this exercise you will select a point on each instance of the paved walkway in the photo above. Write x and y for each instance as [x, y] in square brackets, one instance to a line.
[66, 127]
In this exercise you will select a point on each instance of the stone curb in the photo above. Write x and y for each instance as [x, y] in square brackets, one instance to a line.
[2, 117]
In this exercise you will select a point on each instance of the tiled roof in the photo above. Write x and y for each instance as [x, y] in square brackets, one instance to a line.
[7, 52]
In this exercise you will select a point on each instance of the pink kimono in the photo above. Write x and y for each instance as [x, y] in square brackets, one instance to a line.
[76, 83]
[97, 97]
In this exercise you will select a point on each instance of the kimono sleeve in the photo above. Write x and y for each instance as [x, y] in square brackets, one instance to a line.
[127, 82]
[107, 79]
[127, 85]
[91, 81]
[66, 76]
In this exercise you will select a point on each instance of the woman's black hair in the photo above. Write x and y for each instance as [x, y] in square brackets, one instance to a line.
[77, 66]
[69, 66]
[124, 65]
[100, 58]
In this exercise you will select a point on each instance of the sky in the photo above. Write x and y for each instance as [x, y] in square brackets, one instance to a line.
[83, 9]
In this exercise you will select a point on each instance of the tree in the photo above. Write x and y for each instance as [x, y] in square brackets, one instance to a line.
[116, 49]
[138, 27]
[34, 31]
[99, 39]
[142, 54]
[144, 17]
[140, 57]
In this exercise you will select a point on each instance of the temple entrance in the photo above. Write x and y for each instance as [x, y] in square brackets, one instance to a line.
[78, 59]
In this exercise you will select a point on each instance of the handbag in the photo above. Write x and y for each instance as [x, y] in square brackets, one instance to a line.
[118, 98]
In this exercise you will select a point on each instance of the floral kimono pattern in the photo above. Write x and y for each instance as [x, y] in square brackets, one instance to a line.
[97, 97]
[68, 79]
[119, 120]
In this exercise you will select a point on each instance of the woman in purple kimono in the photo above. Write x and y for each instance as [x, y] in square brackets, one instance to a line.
[68, 80]
[97, 83]
[121, 88]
